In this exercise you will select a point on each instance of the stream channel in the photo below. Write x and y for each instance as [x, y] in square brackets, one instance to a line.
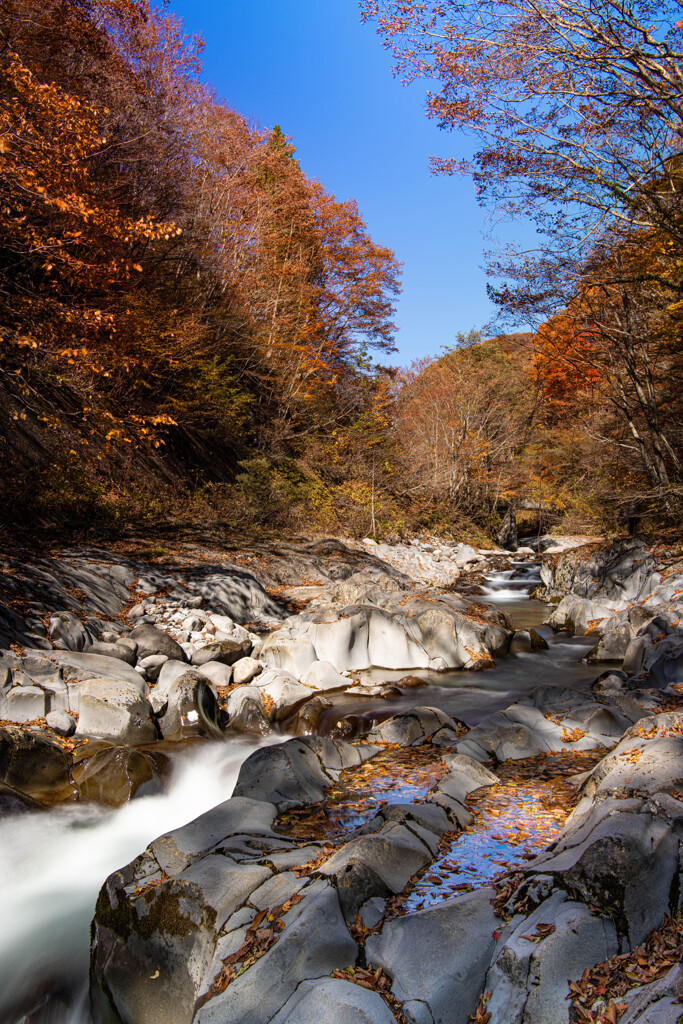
[53, 862]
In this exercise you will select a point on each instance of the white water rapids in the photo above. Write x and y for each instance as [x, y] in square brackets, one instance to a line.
[53, 863]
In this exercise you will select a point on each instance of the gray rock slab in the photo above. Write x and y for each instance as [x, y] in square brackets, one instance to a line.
[333, 1001]
[175, 850]
[529, 980]
[439, 957]
[314, 942]
[87, 664]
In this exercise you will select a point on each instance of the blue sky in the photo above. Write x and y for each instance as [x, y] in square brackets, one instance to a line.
[313, 68]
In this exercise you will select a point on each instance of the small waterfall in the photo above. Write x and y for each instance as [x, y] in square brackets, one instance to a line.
[512, 584]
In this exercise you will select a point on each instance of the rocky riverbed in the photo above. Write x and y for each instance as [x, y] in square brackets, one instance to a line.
[437, 807]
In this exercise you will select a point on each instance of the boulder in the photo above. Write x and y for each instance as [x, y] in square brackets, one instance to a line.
[119, 649]
[529, 977]
[577, 615]
[226, 652]
[245, 669]
[219, 674]
[86, 665]
[415, 727]
[438, 957]
[414, 633]
[115, 710]
[152, 665]
[68, 633]
[307, 719]
[376, 865]
[613, 643]
[527, 641]
[151, 953]
[191, 709]
[245, 711]
[35, 765]
[151, 640]
[322, 675]
[288, 775]
[293, 655]
[24, 703]
[283, 689]
[61, 722]
[115, 775]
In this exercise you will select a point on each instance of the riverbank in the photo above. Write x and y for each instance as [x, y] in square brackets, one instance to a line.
[336, 668]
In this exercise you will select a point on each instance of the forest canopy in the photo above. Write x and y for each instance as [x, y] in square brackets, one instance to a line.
[192, 327]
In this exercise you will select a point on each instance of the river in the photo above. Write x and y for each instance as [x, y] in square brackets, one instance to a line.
[53, 863]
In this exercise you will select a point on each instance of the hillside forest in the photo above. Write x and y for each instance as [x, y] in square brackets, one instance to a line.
[194, 331]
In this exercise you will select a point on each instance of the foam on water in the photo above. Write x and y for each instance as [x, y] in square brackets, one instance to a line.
[53, 863]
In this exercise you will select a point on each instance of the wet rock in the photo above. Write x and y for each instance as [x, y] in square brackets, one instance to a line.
[115, 775]
[308, 716]
[115, 710]
[151, 640]
[414, 727]
[61, 722]
[438, 957]
[191, 710]
[333, 1001]
[13, 801]
[226, 652]
[34, 764]
[246, 713]
[527, 641]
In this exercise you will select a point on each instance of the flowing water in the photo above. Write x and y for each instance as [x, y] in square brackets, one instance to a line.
[53, 863]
